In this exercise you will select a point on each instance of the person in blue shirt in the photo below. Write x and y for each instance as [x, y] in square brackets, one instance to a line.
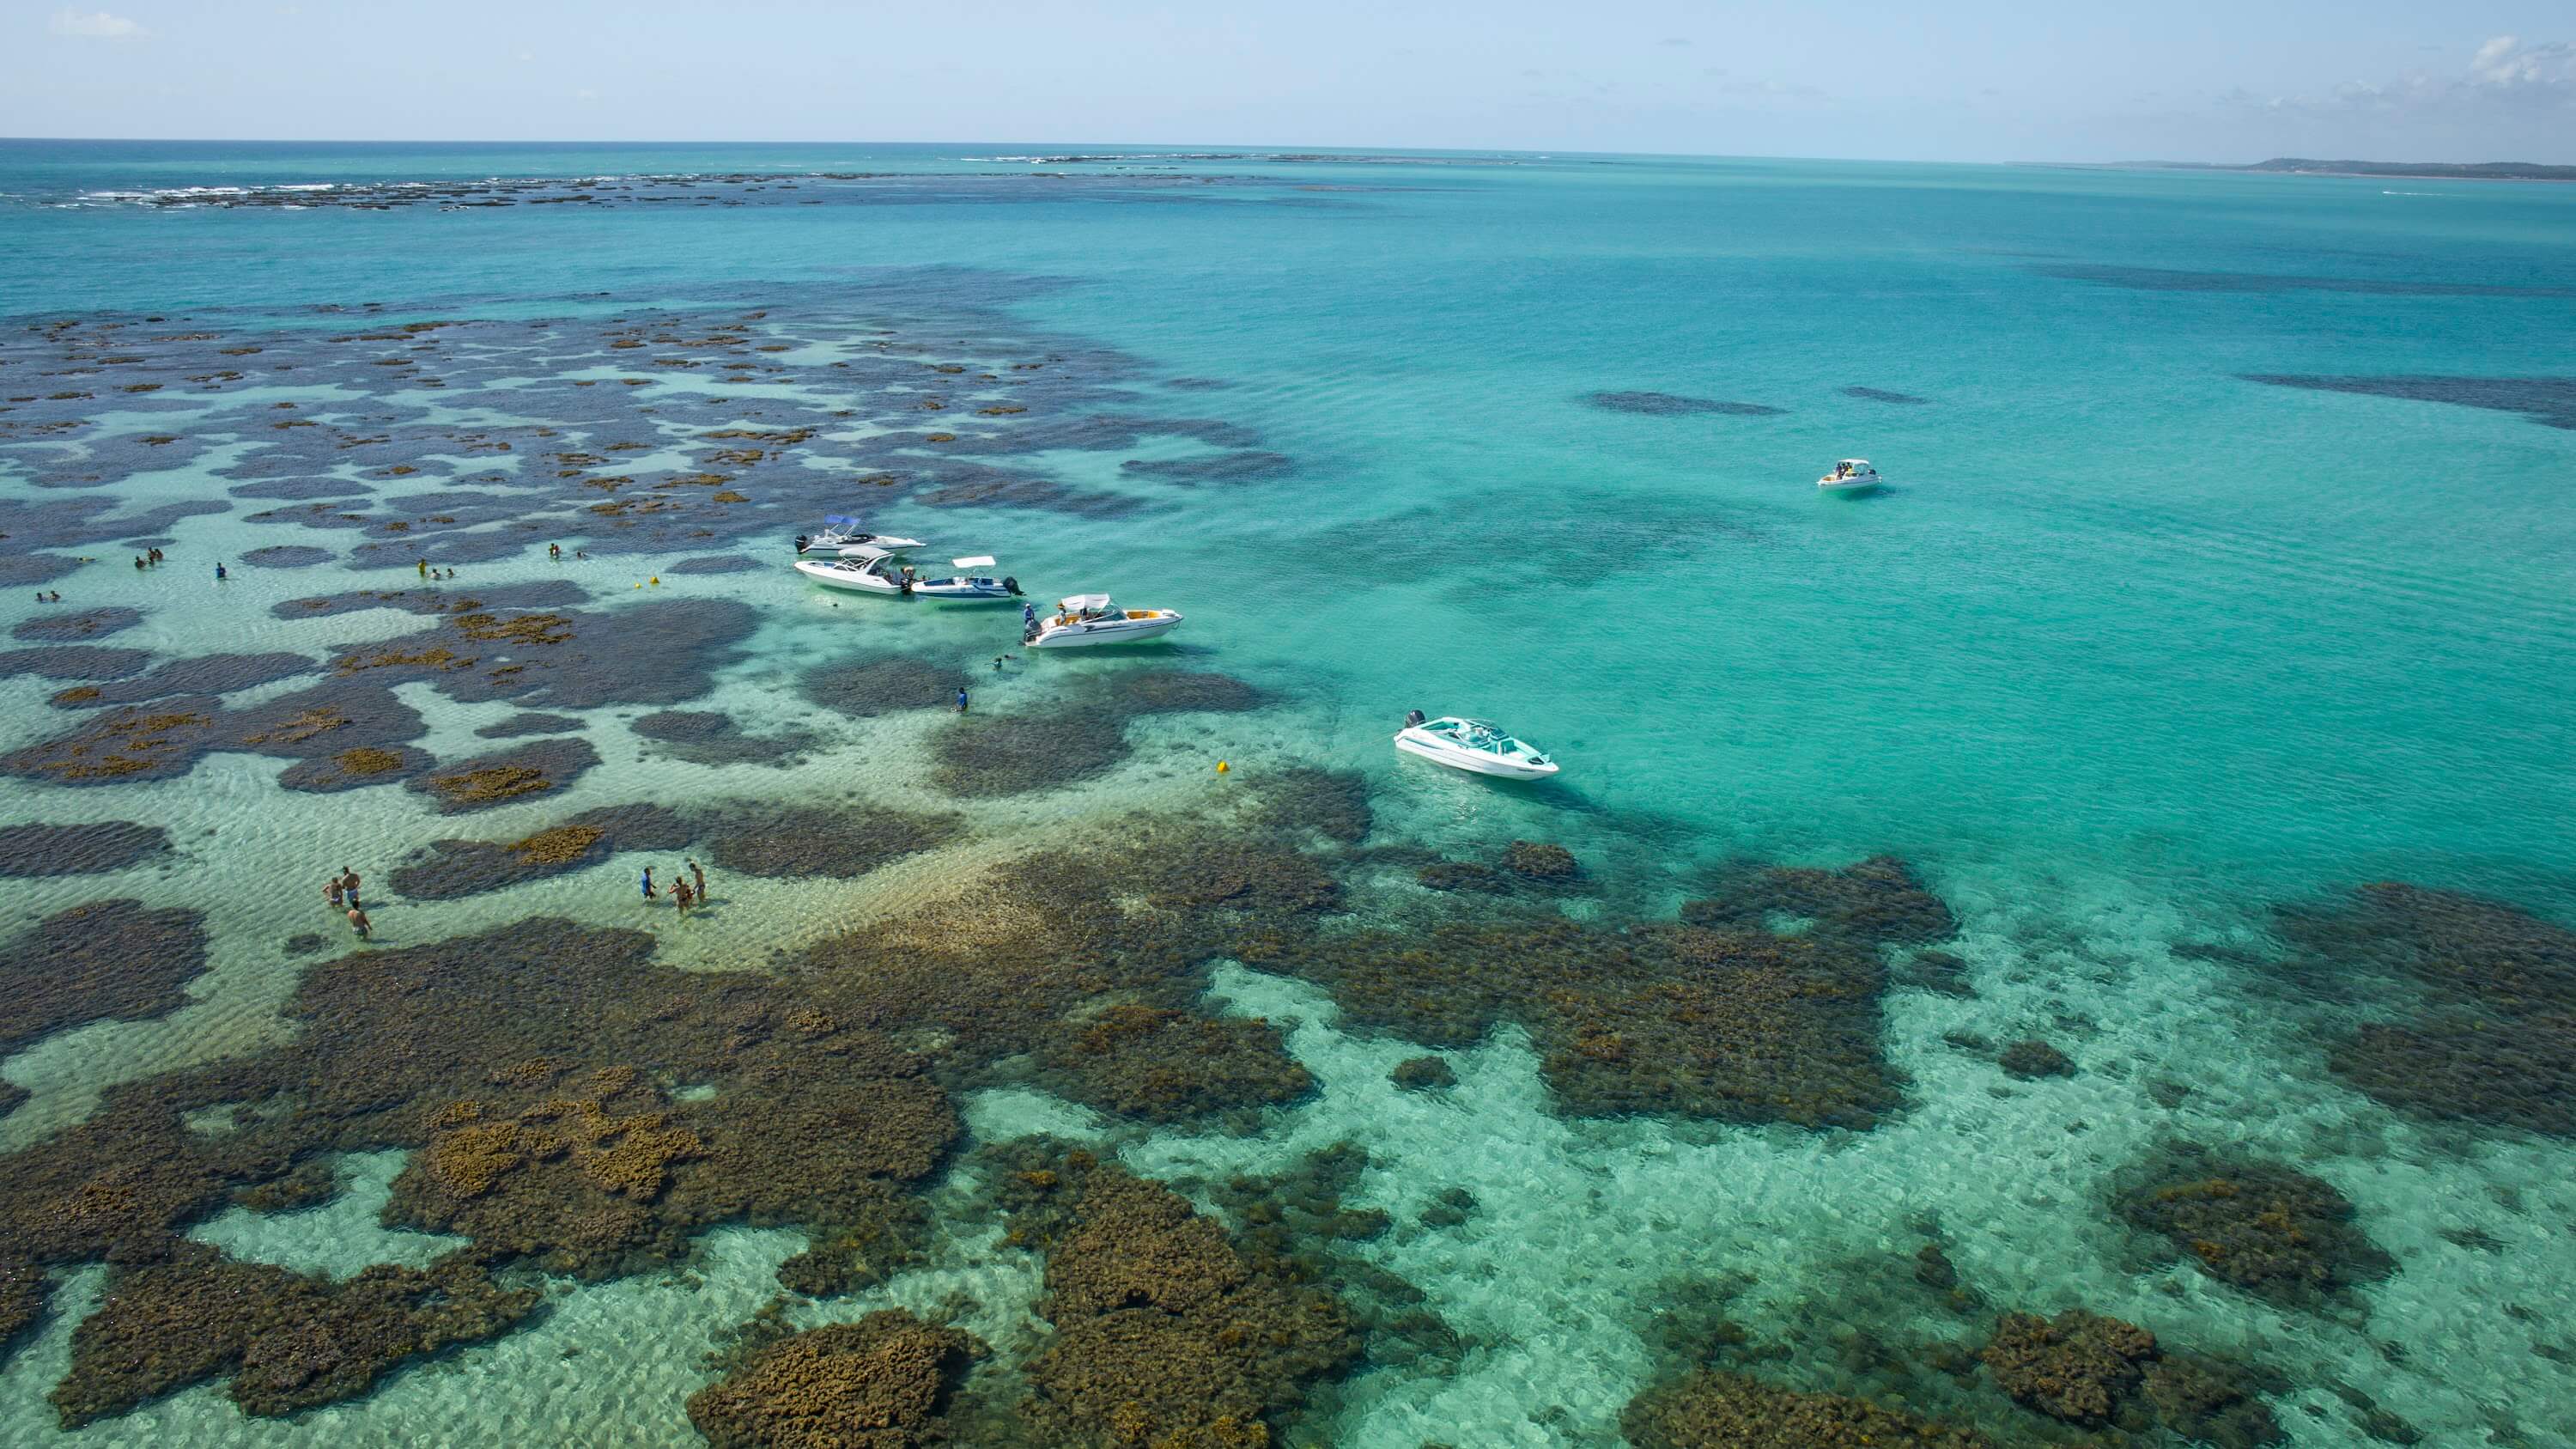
[961, 701]
[647, 883]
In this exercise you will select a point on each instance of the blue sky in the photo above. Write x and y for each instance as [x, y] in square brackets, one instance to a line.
[1962, 80]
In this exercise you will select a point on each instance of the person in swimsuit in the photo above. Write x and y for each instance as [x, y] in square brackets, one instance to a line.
[333, 892]
[681, 895]
[647, 883]
[700, 877]
[349, 885]
[359, 923]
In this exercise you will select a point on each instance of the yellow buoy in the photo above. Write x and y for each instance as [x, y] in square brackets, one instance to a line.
[657, 581]
[1220, 767]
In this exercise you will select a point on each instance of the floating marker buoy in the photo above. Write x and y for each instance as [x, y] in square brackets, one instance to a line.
[657, 581]
[1220, 767]
[639, 586]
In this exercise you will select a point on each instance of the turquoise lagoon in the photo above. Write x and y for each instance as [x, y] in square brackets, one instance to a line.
[2134, 650]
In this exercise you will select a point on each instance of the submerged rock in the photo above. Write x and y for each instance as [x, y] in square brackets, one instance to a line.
[1421, 1074]
[883, 1382]
[2494, 1039]
[2078, 1366]
[1714, 1410]
[2279, 1234]
[98, 961]
[51, 850]
[2031, 1059]
[1164, 1334]
[1167, 1065]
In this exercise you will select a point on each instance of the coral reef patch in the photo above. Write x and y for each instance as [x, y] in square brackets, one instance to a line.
[884, 1382]
[50, 850]
[94, 962]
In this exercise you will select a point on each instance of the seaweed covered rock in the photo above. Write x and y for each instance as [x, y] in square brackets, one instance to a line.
[451, 869]
[884, 1382]
[51, 850]
[2079, 1367]
[1737, 1025]
[1712, 1410]
[1540, 861]
[505, 775]
[2493, 1040]
[1421, 1074]
[868, 1246]
[2207, 1401]
[1462, 875]
[839, 841]
[289, 1341]
[1333, 803]
[883, 685]
[2279, 1234]
[1166, 1065]
[23, 1290]
[2031, 1059]
[99, 961]
[1877, 901]
[1075, 737]
[1164, 1334]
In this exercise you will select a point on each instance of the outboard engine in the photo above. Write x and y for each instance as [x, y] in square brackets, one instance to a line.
[801, 541]
[1011, 586]
[1414, 719]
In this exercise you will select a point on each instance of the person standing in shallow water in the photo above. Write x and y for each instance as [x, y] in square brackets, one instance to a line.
[349, 884]
[700, 877]
[961, 701]
[359, 923]
[333, 892]
[681, 895]
[647, 884]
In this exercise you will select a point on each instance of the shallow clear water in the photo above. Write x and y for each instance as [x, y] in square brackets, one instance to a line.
[2132, 650]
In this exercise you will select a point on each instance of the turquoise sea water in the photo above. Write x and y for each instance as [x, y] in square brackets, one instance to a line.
[2134, 649]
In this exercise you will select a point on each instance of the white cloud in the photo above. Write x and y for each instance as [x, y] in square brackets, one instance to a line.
[2505, 63]
[96, 25]
[2505, 76]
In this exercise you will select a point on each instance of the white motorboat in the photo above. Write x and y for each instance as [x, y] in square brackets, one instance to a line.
[1086, 619]
[1850, 475]
[1472, 744]
[969, 587]
[867, 568]
[839, 531]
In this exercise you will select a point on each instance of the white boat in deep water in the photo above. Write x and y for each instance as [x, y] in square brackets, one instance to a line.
[1086, 619]
[867, 568]
[1472, 744]
[1850, 475]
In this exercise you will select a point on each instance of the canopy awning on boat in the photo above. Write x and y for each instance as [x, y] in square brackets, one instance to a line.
[840, 518]
[979, 561]
[1081, 603]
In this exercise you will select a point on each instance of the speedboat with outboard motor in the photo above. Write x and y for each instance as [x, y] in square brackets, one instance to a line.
[1085, 619]
[839, 531]
[1851, 475]
[1473, 745]
[969, 587]
[867, 568]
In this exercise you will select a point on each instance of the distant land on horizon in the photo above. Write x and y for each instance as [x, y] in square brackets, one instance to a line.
[2415, 170]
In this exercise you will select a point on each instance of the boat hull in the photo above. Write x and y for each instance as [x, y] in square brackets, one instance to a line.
[1111, 631]
[1846, 485]
[1473, 762]
[845, 581]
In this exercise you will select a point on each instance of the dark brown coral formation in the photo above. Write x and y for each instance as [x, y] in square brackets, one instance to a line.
[2030, 1059]
[94, 962]
[1541, 861]
[511, 774]
[1713, 1410]
[1164, 1333]
[2079, 1367]
[839, 841]
[1080, 735]
[1167, 1066]
[2494, 1038]
[884, 1382]
[1737, 1025]
[1876, 900]
[452, 869]
[290, 1341]
[47, 850]
[2279, 1234]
